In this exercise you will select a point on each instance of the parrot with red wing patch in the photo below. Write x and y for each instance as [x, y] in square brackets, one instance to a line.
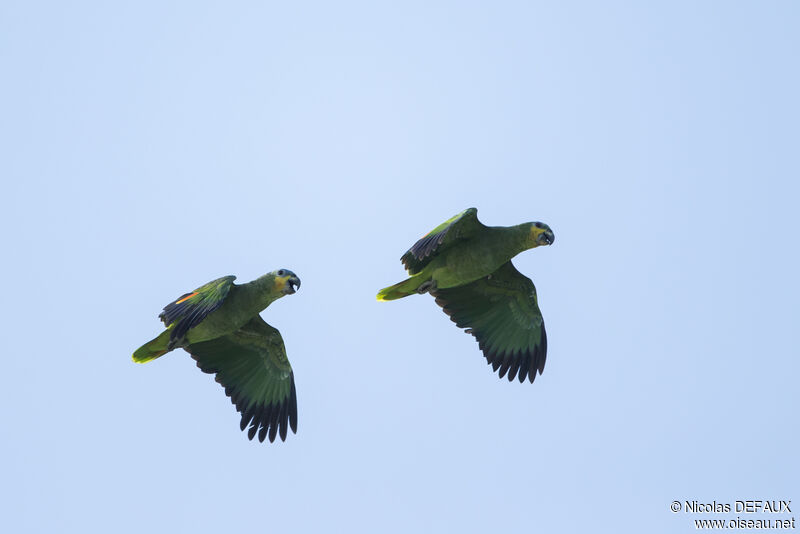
[219, 325]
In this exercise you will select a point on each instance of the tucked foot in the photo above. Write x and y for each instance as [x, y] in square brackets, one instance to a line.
[429, 285]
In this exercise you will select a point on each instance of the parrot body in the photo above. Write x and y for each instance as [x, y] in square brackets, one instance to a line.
[240, 304]
[487, 251]
[219, 325]
[467, 267]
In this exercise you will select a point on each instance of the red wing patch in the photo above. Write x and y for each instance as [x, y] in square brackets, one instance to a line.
[187, 297]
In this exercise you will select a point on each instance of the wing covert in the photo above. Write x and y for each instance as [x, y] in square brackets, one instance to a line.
[461, 226]
[190, 309]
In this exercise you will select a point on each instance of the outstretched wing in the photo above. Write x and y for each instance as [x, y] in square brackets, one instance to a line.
[502, 312]
[462, 226]
[252, 366]
[190, 309]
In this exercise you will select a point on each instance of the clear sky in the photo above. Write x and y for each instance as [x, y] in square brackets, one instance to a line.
[149, 147]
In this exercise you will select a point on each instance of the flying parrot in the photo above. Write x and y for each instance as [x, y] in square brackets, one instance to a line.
[219, 325]
[467, 268]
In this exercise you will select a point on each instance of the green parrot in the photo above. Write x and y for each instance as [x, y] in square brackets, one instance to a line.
[467, 268]
[219, 325]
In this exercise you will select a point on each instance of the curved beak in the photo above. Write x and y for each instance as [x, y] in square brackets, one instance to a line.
[292, 285]
[546, 238]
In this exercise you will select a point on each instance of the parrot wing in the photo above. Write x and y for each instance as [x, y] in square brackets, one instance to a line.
[459, 227]
[502, 312]
[190, 309]
[252, 366]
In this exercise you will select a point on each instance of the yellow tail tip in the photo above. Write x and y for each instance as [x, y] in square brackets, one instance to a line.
[143, 355]
[385, 294]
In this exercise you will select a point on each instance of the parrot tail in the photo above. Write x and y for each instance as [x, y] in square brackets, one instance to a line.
[405, 288]
[152, 349]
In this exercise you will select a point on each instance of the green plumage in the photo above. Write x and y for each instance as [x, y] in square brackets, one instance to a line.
[219, 325]
[467, 267]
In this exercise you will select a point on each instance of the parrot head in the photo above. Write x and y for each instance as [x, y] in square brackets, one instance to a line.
[541, 234]
[286, 281]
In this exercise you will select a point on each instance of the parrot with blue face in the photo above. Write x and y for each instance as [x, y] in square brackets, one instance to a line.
[219, 325]
[467, 268]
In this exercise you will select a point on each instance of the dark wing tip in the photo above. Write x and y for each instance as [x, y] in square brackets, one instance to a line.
[510, 364]
[283, 420]
[515, 365]
[542, 350]
[293, 407]
[506, 359]
[247, 416]
[273, 421]
[524, 365]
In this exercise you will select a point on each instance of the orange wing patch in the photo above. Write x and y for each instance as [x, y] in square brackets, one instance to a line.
[187, 297]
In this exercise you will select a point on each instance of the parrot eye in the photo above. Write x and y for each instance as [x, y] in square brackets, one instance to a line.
[538, 225]
[281, 273]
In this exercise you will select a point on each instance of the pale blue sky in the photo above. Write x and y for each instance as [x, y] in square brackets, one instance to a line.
[146, 149]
